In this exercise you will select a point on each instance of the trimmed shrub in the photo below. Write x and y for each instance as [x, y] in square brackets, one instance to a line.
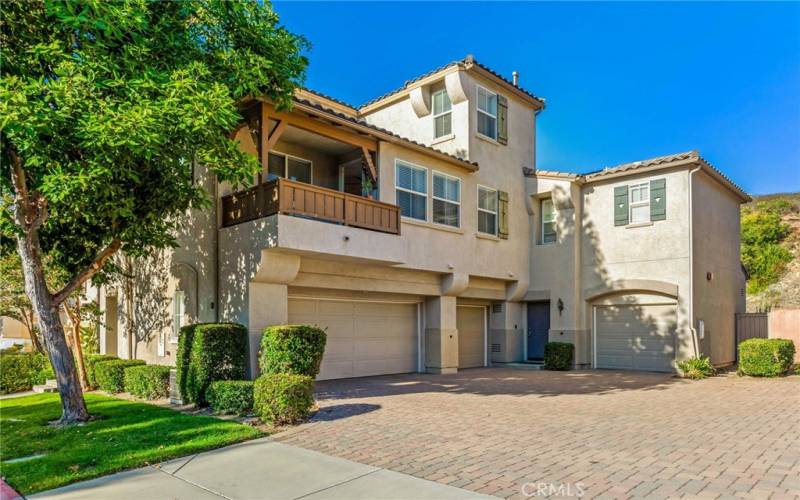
[89, 361]
[230, 396]
[147, 381]
[45, 374]
[20, 372]
[766, 357]
[558, 355]
[209, 352]
[110, 375]
[283, 398]
[696, 368]
[293, 349]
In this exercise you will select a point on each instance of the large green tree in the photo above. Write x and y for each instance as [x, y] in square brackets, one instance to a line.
[105, 109]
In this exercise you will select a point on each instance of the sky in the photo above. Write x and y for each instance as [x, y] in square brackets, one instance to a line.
[622, 81]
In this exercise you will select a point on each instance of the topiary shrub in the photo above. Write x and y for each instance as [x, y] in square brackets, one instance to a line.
[293, 349]
[89, 361]
[766, 357]
[110, 375]
[696, 368]
[209, 352]
[283, 398]
[230, 396]
[558, 355]
[148, 381]
[20, 372]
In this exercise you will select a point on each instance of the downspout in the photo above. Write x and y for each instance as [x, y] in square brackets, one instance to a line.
[695, 340]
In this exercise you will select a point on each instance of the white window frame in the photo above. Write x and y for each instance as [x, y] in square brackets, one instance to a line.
[286, 157]
[478, 108]
[397, 163]
[496, 208]
[542, 221]
[178, 314]
[632, 205]
[448, 112]
[445, 200]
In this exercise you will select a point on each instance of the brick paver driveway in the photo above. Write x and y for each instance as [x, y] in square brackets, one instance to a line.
[509, 432]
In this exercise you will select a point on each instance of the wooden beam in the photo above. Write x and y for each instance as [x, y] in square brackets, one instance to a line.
[372, 171]
[276, 135]
[318, 127]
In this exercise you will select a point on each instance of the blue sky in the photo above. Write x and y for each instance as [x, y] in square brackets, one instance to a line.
[623, 81]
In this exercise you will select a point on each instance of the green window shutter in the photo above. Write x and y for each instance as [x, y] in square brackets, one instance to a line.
[502, 120]
[658, 199]
[621, 206]
[502, 214]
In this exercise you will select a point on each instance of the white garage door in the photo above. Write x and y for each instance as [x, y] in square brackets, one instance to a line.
[470, 322]
[364, 338]
[635, 337]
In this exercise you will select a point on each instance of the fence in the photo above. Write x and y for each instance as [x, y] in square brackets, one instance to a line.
[751, 326]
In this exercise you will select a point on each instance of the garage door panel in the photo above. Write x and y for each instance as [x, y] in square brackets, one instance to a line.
[635, 337]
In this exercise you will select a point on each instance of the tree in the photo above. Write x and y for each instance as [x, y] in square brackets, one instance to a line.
[105, 109]
[14, 303]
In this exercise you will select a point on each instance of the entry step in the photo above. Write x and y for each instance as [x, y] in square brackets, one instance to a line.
[524, 365]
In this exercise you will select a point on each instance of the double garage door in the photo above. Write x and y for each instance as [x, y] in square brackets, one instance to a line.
[635, 337]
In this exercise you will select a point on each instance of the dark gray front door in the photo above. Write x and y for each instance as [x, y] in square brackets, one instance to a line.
[538, 328]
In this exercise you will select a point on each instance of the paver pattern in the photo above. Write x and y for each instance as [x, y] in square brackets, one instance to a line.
[523, 433]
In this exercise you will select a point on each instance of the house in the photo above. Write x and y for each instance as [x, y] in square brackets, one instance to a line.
[418, 232]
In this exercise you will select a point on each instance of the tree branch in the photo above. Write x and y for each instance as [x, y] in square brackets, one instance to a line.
[92, 269]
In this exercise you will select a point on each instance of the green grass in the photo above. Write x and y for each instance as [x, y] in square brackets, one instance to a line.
[125, 435]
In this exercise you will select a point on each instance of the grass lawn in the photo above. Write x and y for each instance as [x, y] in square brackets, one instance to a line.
[125, 435]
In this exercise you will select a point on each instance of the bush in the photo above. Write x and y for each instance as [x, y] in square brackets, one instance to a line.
[45, 374]
[696, 368]
[90, 361]
[209, 352]
[110, 375]
[295, 349]
[283, 398]
[20, 372]
[231, 396]
[766, 357]
[558, 355]
[148, 381]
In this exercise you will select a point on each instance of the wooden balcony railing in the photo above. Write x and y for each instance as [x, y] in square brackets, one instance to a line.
[284, 196]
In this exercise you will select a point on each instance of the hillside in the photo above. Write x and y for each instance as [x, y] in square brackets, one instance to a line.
[771, 251]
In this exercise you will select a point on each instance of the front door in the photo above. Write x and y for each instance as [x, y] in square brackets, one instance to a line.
[538, 329]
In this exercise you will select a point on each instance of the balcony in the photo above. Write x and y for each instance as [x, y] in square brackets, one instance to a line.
[288, 197]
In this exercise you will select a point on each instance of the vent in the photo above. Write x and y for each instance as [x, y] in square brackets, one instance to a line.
[497, 308]
[495, 347]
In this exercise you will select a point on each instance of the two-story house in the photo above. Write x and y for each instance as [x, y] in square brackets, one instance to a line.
[417, 231]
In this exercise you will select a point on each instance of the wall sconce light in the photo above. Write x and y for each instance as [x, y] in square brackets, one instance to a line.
[560, 305]
[709, 276]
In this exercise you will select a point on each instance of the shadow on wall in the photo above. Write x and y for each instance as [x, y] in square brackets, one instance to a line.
[146, 280]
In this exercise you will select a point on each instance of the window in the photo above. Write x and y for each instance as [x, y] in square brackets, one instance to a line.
[487, 113]
[446, 200]
[178, 313]
[548, 222]
[412, 190]
[442, 117]
[640, 203]
[290, 167]
[487, 210]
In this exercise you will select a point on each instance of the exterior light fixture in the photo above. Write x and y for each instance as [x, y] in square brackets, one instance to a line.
[560, 305]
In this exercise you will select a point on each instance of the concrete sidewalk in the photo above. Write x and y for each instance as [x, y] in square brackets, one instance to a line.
[259, 469]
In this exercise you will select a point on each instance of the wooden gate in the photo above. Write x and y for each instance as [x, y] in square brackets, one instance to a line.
[751, 326]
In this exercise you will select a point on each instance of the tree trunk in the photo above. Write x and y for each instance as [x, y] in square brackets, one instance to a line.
[76, 335]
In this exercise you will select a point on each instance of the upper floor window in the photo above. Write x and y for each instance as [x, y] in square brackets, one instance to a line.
[178, 313]
[442, 116]
[289, 167]
[446, 200]
[412, 190]
[487, 113]
[640, 203]
[548, 221]
[487, 210]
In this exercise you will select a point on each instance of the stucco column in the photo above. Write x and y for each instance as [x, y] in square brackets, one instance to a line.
[268, 306]
[506, 329]
[441, 335]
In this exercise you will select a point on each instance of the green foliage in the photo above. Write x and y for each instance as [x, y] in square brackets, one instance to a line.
[90, 340]
[110, 375]
[45, 374]
[231, 396]
[294, 349]
[762, 253]
[90, 361]
[20, 372]
[558, 355]
[766, 357]
[696, 368]
[209, 352]
[283, 398]
[148, 381]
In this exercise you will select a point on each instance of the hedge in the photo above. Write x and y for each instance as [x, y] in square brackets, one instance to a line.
[20, 372]
[283, 398]
[766, 357]
[209, 352]
[293, 349]
[231, 396]
[110, 375]
[148, 381]
[558, 355]
[89, 361]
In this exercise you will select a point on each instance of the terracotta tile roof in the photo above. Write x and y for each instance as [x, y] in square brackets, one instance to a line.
[659, 160]
[330, 98]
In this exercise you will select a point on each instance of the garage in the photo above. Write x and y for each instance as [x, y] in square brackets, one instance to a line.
[471, 325]
[635, 337]
[364, 338]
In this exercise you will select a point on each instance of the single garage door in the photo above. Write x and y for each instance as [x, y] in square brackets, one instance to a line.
[364, 338]
[470, 322]
[635, 337]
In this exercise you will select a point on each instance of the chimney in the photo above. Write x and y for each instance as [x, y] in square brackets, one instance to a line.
[515, 78]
